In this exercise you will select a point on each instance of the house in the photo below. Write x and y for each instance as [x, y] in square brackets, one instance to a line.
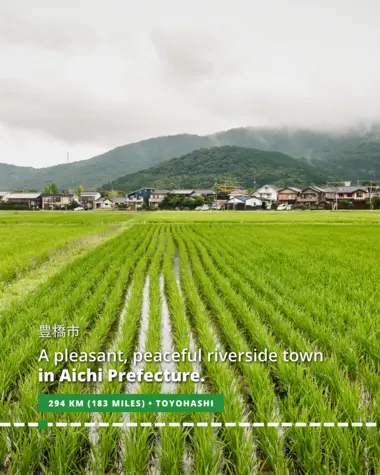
[219, 205]
[185, 193]
[57, 200]
[139, 197]
[237, 203]
[204, 192]
[198, 192]
[257, 203]
[88, 198]
[288, 195]
[31, 200]
[136, 199]
[156, 197]
[356, 195]
[312, 196]
[268, 192]
[103, 203]
[4, 195]
[237, 192]
[120, 202]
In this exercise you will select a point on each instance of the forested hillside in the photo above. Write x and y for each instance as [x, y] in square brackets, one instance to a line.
[202, 167]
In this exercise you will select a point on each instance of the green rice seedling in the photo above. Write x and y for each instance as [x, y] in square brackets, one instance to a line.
[331, 310]
[21, 318]
[239, 445]
[110, 437]
[16, 364]
[202, 442]
[105, 302]
[231, 281]
[239, 308]
[139, 445]
[256, 376]
[26, 247]
[327, 373]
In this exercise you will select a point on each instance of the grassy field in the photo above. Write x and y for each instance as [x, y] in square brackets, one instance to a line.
[64, 217]
[370, 217]
[306, 283]
[29, 239]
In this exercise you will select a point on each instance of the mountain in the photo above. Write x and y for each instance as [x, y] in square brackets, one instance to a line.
[200, 168]
[330, 147]
[106, 167]
[360, 161]
[13, 177]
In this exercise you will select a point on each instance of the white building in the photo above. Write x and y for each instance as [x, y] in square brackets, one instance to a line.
[269, 192]
[88, 198]
[256, 202]
[4, 195]
[32, 200]
[103, 203]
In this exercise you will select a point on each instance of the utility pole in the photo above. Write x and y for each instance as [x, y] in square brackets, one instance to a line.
[216, 196]
[336, 192]
[370, 192]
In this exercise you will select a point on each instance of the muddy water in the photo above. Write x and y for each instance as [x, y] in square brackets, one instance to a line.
[167, 340]
[134, 387]
[97, 417]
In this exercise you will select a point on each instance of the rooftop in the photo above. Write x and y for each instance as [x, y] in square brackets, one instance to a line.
[27, 196]
[57, 194]
[240, 198]
[345, 189]
[182, 192]
[312, 187]
[204, 191]
[293, 188]
[119, 199]
[276, 188]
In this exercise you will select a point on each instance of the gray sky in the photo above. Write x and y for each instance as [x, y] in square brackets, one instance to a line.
[86, 76]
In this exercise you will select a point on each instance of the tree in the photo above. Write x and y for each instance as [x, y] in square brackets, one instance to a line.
[80, 190]
[111, 194]
[53, 188]
[172, 201]
[376, 202]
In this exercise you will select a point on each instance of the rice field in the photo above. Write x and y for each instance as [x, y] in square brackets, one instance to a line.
[168, 283]
[29, 239]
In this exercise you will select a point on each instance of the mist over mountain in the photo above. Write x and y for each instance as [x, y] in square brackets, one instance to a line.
[350, 154]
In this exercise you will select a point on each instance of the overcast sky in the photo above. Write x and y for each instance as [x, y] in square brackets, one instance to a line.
[88, 75]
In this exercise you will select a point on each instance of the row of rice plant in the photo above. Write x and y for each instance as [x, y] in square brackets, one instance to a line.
[344, 396]
[217, 287]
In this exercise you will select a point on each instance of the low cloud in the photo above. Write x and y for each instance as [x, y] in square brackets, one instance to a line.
[184, 56]
[108, 74]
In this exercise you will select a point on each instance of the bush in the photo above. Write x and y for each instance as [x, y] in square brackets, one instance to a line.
[179, 202]
[12, 207]
[376, 202]
[345, 204]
